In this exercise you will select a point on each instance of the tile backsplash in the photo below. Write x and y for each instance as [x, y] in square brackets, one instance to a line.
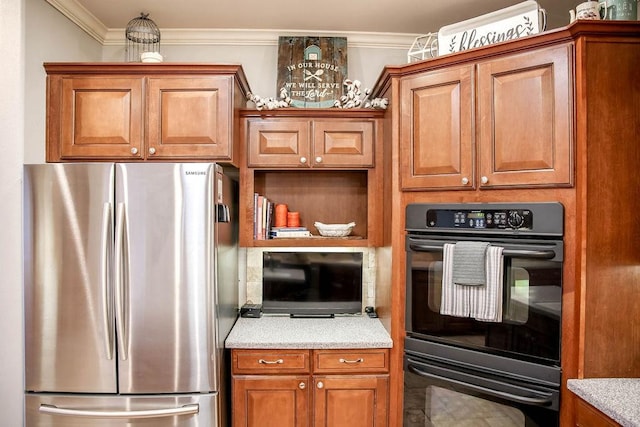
[253, 270]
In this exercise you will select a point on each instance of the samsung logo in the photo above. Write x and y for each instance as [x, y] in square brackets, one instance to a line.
[195, 173]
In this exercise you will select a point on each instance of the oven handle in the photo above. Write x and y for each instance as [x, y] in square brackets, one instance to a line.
[545, 399]
[521, 253]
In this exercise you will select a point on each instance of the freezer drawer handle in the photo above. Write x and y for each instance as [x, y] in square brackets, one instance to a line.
[152, 413]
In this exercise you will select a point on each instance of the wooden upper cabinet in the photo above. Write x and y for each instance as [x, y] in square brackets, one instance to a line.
[283, 143]
[98, 117]
[493, 123]
[438, 129]
[525, 110]
[189, 117]
[135, 111]
[310, 143]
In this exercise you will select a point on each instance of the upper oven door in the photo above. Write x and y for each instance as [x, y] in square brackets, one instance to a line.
[531, 300]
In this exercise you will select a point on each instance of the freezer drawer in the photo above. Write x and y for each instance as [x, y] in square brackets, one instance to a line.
[58, 410]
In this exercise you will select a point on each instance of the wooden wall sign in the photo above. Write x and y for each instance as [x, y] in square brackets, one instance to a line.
[312, 69]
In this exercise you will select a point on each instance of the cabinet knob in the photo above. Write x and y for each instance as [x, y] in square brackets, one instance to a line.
[303, 160]
[484, 180]
[302, 385]
[465, 180]
[134, 150]
[152, 151]
[318, 159]
[320, 384]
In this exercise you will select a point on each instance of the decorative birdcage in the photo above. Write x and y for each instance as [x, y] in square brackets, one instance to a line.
[142, 35]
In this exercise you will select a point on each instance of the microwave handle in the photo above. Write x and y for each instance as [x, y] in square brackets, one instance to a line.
[521, 253]
[542, 400]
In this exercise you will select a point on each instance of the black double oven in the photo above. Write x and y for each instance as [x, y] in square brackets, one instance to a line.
[464, 371]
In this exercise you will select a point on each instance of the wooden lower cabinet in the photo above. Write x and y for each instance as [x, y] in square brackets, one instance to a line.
[350, 401]
[340, 388]
[271, 401]
[588, 416]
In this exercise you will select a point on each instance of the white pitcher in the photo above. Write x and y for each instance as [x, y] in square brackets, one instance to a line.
[589, 10]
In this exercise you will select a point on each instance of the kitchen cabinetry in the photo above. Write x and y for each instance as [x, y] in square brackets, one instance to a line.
[138, 111]
[588, 416]
[600, 286]
[310, 387]
[499, 122]
[331, 143]
[322, 163]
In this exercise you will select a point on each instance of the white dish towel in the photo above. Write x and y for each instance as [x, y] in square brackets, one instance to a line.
[455, 298]
[486, 301]
[480, 302]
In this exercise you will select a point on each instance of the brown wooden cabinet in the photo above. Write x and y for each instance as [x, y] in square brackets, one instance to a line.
[316, 143]
[500, 122]
[601, 286]
[340, 387]
[143, 112]
[588, 416]
[322, 163]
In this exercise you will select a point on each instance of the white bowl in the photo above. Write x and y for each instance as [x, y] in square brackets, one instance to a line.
[150, 57]
[334, 230]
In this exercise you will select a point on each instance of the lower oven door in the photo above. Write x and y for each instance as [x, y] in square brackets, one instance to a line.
[531, 299]
[440, 394]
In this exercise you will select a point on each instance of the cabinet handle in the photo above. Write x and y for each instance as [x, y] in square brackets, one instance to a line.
[134, 150]
[303, 160]
[358, 360]
[320, 384]
[271, 362]
[484, 180]
[465, 180]
[318, 159]
[302, 385]
[152, 151]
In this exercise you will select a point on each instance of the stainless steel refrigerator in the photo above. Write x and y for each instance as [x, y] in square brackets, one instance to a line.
[130, 290]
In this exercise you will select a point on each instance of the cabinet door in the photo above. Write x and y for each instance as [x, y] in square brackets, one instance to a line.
[436, 134]
[588, 416]
[524, 112]
[278, 143]
[351, 401]
[189, 117]
[99, 117]
[342, 143]
[271, 401]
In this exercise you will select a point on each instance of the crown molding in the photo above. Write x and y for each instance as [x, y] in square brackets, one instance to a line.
[84, 19]
[80, 16]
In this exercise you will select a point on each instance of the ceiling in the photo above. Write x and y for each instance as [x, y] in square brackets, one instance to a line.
[377, 16]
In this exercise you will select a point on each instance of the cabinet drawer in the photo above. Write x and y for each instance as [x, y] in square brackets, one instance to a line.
[270, 361]
[356, 361]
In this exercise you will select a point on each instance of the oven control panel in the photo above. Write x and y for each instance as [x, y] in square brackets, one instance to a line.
[507, 219]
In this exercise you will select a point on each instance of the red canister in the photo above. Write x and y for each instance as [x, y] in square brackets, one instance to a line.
[281, 215]
[293, 219]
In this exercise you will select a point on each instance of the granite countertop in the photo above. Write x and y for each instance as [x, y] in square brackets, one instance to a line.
[619, 398]
[281, 332]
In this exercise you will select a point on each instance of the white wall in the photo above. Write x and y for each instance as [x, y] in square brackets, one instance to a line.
[49, 37]
[31, 32]
[11, 148]
[260, 62]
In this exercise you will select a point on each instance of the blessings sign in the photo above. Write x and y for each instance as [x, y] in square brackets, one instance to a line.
[506, 24]
[312, 69]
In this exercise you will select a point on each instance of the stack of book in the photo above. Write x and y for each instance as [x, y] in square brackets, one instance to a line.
[262, 216]
[263, 228]
[289, 232]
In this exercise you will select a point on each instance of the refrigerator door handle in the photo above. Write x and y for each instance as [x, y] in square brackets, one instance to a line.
[107, 304]
[119, 279]
[151, 413]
